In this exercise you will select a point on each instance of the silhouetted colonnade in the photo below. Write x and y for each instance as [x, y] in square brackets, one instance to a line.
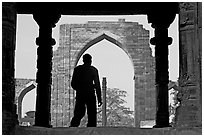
[160, 15]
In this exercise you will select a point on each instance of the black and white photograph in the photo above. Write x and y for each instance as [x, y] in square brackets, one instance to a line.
[101, 68]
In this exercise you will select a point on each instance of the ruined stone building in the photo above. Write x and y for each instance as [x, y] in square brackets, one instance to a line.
[129, 36]
[75, 39]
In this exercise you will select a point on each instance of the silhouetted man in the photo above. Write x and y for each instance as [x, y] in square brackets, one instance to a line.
[85, 81]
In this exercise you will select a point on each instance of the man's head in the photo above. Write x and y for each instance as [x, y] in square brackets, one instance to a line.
[87, 59]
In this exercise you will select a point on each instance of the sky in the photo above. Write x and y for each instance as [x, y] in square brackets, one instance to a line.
[117, 76]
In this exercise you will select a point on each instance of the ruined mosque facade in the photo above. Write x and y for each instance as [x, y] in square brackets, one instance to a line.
[131, 37]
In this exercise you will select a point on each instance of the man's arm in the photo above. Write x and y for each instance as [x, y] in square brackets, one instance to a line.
[98, 87]
[74, 79]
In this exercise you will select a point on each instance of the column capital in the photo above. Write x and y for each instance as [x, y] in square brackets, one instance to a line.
[161, 18]
[46, 18]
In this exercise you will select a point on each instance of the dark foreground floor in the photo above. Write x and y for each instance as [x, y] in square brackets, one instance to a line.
[19, 130]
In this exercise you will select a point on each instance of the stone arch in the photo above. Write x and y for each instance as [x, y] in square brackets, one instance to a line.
[102, 36]
[111, 38]
[30, 86]
[131, 37]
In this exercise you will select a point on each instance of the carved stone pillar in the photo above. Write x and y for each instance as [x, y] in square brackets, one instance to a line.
[9, 117]
[161, 42]
[46, 21]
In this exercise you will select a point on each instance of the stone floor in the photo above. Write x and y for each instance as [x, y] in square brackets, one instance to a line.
[19, 130]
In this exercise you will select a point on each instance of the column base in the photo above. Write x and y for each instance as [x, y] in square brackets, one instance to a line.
[47, 126]
[161, 126]
[162, 120]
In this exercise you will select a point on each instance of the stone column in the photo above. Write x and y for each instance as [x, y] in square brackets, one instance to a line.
[46, 21]
[161, 42]
[9, 117]
[104, 88]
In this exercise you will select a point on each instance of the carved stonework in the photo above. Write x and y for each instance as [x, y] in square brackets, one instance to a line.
[187, 16]
[187, 80]
[189, 112]
[186, 6]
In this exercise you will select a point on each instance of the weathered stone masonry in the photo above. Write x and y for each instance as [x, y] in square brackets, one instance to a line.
[129, 36]
[190, 33]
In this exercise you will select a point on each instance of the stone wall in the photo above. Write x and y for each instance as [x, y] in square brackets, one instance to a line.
[9, 117]
[75, 39]
[190, 29]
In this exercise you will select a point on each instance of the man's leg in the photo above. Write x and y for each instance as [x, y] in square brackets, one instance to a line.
[91, 111]
[79, 112]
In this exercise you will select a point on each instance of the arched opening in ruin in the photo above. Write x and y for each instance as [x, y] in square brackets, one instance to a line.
[99, 37]
[29, 108]
[74, 39]
[26, 104]
[25, 67]
[114, 64]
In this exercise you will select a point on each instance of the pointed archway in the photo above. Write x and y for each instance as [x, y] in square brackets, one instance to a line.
[99, 37]
[30, 86]
[131, 37]
[114, 64]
